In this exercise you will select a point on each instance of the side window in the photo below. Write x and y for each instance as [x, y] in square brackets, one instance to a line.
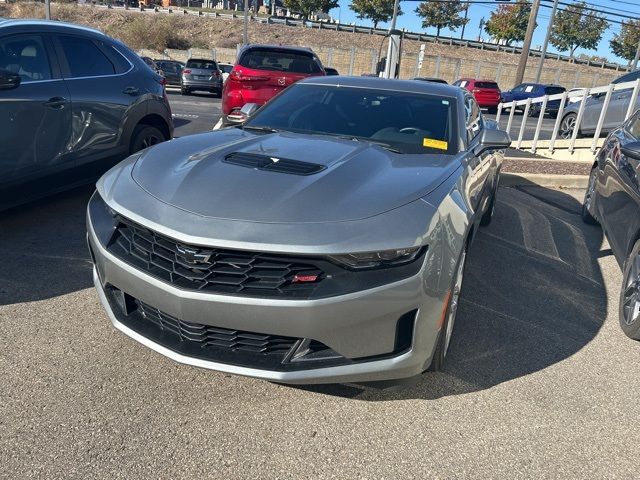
[25, 55]
[473, 118]
[84, 58]
[634, 127]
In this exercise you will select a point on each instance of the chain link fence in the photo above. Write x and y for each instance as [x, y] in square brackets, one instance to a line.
[358, 61]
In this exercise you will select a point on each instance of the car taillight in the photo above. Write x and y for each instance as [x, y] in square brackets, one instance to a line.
[186, 70]
[241, 77]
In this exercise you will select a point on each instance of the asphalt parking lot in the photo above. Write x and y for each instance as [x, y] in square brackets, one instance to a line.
[540, 381]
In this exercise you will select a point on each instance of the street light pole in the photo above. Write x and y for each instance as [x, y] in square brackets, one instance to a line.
[546, 40]
[634, 65]
[394, 42]
[245, 37]
[524, 56]
[47, 9]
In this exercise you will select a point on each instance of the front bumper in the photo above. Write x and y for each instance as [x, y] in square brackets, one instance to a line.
[361, 326]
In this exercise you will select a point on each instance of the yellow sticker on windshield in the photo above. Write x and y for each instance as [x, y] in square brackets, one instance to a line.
[432, 143]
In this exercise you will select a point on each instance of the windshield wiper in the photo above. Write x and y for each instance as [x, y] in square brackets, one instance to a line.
[259, 129]
[384, 145]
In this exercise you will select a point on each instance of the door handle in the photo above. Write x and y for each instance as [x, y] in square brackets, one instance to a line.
[56, 102]
[133, 91]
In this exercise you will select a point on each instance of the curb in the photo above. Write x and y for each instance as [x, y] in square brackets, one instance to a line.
[543, 180]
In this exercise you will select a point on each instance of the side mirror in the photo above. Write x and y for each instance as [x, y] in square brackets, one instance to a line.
[9, 80]
[631, 150]
[492, 139]
[249, 109]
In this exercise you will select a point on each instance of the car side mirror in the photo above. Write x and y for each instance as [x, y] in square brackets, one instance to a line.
[492, 139]
[9, 80]
[249, 109]
[631, 150]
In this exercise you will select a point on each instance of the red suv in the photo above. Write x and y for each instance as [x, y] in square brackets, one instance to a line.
[261, 72]
[486, 92]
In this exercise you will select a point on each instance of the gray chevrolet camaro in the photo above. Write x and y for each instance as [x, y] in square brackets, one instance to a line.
[322, 241]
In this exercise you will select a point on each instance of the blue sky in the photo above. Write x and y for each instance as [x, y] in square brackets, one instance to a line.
[412, 22]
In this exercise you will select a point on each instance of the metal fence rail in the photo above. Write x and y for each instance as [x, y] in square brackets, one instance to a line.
[567, 139]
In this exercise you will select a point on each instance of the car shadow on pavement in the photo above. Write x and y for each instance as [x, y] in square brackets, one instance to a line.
[533, 295]
[43, 248]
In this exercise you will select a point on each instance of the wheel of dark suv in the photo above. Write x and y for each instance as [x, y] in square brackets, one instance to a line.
[587, 204]
[184, 91]
[145, 136]
[630, 295]
[446, 332]
[492, 110]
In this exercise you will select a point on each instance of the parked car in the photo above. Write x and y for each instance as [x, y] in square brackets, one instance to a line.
[431, 79]
[618, 106]
[324, 240]
[486, 92]
[261, 72]
[73, 102]
[152, 65]
[172, 70]
[201, 74]
[331, 71]
[225, 68]
[535, 90]
[613, 199]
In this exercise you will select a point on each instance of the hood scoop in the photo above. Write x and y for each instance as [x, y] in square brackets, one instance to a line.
[272, 164]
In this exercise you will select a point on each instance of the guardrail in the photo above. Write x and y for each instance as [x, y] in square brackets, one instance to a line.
[563, 135]
[417, 36]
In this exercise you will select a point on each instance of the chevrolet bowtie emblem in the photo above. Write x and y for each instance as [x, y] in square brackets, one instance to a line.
[193, 256]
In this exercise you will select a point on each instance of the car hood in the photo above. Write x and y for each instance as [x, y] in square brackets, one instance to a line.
[357, 180]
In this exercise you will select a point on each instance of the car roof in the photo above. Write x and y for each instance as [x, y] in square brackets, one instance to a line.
[201, 59]
[290, 48]
[46, 25]
[410, 86]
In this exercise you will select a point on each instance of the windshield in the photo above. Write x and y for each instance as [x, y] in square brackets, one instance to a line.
[402, 121]
[202, 64]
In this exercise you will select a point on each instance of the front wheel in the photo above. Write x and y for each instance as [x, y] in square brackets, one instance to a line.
[446, 331]
[488, 215]
[630, 295]
[145, 136]
[567, 126]
[588, 203]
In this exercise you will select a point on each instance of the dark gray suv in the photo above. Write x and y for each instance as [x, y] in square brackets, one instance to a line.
[73, 102]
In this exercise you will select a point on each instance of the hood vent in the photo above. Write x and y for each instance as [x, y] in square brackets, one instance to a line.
[273, 164]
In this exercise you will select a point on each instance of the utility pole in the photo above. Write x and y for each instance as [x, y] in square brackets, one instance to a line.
[546, 40]
[482, 22]
[245, 37]
[524, 56]
[394, 45]
[47, 9]
[634, 65]
[466, 14]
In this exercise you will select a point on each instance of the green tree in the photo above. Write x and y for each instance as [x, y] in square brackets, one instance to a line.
[304, 7]
[576, 27]
[442, 15]
[509, 22]
[375, 10]
[326, 5]
[625, 43]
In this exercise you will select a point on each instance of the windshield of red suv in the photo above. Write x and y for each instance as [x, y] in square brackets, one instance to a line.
[403, 122]
[281, 61]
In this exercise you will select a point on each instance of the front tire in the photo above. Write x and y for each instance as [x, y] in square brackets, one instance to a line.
[588, 203]
[446, 332]
[567, 125]
[145, 136]
[184, 91]
[630, 295]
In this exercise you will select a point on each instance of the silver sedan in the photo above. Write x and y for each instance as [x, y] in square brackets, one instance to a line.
[322, 241]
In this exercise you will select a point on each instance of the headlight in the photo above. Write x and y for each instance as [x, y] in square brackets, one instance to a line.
[384, 258]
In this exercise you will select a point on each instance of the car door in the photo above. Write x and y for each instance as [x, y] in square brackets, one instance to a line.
[101, 94]
[36, 115]
[479, 166]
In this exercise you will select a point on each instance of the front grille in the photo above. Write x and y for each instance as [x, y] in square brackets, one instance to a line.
[213, 270]
[216, 337]
[273, 164]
